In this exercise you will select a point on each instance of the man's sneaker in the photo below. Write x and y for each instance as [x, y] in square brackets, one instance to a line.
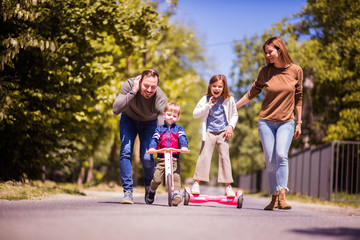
[150, 197]
[176, 199]
[229, 192]
[195, 188]
[128, 197]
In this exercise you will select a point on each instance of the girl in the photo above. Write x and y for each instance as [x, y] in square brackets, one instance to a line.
[282, 80]
[219, 117]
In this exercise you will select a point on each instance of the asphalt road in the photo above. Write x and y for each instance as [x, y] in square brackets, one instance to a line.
[103, 217]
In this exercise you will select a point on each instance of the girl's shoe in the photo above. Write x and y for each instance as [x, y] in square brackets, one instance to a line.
[229, 192]
[195, 188]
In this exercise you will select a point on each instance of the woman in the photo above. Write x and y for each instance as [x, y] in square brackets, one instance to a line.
[282, 80]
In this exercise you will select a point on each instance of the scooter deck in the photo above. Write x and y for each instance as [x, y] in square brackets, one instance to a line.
[222, 199]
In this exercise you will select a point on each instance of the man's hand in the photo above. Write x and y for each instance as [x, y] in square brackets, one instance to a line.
[136, 85]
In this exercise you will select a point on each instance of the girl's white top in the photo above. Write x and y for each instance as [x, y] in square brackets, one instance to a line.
[202, 110]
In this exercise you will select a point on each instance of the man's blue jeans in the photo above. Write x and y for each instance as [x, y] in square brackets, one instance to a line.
[129, 129]
[276, 140]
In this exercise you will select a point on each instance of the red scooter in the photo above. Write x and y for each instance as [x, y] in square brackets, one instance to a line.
[222, 199]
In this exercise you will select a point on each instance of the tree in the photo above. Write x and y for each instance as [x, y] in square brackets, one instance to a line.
[49, 80]
[333, 27]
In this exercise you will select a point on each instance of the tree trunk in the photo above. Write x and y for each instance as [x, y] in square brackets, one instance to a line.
[114, 161]
[90, 176]
[43, 174]
[81, 176]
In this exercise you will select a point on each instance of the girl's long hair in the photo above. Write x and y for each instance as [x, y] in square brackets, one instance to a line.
[219, 77]
[279, 44]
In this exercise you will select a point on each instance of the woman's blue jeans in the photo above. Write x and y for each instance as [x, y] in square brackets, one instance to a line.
[129, 129]
[276, 140]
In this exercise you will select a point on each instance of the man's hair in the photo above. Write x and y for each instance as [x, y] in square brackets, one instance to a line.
[172, 107]
[150, 73]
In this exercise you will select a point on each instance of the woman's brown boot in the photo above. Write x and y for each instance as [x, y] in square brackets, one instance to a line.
[282, 202]
[273, 204]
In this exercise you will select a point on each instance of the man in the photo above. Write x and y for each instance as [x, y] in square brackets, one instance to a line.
[141, 103]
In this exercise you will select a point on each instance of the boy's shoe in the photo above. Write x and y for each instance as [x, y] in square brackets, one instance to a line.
[195, 188]
[176, 199]
[147, 188]
[150, 197]
[128, 197]
[229, 192]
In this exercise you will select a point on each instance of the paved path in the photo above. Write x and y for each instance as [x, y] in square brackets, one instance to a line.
[101, 216]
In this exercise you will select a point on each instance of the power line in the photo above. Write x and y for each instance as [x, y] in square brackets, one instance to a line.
[217, 44]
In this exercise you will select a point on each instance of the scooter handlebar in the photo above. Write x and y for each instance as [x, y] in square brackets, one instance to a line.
[163, 150]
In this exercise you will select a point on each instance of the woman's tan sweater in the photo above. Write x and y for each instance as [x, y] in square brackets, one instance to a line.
[283, 92]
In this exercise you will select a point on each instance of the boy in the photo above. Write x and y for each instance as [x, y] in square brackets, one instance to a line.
[168, 135]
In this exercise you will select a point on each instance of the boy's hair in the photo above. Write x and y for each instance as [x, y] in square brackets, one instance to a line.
[172, 107]
[219, 77]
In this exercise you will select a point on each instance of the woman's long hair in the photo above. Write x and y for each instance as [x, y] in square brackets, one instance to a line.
[279, 44]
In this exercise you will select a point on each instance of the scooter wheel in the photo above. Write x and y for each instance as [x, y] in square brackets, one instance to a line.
[186, 198]
[240, 201]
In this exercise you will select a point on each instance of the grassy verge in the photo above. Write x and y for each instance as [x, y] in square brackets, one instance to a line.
[307, 199]
[35, 190]
[38, 190]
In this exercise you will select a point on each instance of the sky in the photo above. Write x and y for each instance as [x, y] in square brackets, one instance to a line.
[220, 22]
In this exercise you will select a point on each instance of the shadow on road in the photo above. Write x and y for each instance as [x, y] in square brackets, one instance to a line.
[137, 203]
[348, 233]
[111, 202]
[164, 205]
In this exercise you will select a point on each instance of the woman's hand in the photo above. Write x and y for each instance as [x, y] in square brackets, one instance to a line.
[297, 131]
[228, 132]
[244, 100]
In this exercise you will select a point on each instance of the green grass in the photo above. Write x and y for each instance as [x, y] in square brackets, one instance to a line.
[307, 199]
[38, 190]
[346, 197]
[35, 190]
